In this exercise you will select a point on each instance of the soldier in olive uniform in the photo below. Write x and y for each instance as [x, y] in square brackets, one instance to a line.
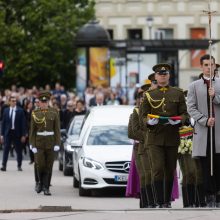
[44, 140]
[144, 152]
[139, 138]
[163, 136]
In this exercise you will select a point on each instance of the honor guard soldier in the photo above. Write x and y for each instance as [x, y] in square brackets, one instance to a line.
[163, 138]
[139, 145]
[44, 140]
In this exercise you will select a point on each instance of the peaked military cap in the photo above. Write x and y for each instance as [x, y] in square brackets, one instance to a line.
[161, 68]
[151, 77]
[44, 96]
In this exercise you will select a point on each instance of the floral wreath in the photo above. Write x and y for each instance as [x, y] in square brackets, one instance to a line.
[186, 134]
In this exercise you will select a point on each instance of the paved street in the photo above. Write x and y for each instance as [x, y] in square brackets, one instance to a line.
[19, 201]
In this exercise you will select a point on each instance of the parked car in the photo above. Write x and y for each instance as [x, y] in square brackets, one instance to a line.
[65, 155]
[102, 154]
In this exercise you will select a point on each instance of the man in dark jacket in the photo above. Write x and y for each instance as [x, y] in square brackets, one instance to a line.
[13, 131]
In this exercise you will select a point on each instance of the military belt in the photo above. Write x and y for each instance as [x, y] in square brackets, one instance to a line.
[45, 133]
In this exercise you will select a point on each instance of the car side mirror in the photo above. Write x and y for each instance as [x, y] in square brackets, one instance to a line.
[76, 144]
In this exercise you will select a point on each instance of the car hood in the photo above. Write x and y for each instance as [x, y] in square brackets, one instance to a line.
[108, 153]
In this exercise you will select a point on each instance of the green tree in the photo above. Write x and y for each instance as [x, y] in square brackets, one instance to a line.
[37, 40]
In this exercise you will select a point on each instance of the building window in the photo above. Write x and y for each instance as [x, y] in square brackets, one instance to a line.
[197, 33]
[111, 33]
[135, 34]
[164, 33]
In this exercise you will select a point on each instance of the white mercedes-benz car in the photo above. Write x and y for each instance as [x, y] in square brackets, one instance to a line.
[102, 157]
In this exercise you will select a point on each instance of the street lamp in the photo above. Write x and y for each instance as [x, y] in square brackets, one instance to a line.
[150, 21]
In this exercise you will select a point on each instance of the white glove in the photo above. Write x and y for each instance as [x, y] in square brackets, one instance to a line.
[34, 150]
[153, 121]
[192, 121]
[174, 122]
[56, 148]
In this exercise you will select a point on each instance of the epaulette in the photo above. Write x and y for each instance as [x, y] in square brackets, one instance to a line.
[137, 110]
[36, 110]
[150, 90]
[179, 89]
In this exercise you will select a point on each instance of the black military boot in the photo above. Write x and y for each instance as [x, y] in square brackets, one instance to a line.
[210, 200]
[47, 191]
[39, 181]
[143, 199]
[159, 193]
[217, 204]
[46, 184]
[185, 197]
[168, 192]
[200, 195]
[150, 196]
[191, 195]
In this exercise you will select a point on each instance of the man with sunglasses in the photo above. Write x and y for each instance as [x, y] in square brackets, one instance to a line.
[44, 139]
[13, 131]
[163, 134]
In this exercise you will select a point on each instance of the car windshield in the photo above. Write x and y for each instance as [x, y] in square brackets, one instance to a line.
[75, 127]
[109, 135]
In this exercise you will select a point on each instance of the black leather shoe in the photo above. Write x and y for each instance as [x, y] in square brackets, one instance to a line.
[167, 205]
[38, 188]
[47, 192]
[3, 169]
[210, 201]
[20, 169]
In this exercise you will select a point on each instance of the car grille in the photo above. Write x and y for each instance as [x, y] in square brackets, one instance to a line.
[89, 181]
[112, 181]
[118, 166]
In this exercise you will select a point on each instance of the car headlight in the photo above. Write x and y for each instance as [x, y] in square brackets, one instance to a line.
[87, 162]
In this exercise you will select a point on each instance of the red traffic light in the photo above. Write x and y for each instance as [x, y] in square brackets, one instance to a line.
[1, 65]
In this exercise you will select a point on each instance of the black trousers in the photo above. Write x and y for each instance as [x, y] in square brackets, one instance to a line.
[211, 183]
[8, 140]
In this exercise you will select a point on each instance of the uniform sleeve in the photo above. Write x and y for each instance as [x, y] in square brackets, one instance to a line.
[192, 106]
[57, 129]
[32, 132]
[130, 130]
[138, 134]
[145, 109]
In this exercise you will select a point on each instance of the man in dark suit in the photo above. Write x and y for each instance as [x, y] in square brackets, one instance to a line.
[98, 100]
[13, 131]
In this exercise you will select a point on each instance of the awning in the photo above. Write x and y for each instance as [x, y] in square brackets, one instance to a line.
[149, 45]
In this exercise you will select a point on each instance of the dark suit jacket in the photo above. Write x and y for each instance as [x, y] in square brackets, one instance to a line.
[19, 123]
[92, 102]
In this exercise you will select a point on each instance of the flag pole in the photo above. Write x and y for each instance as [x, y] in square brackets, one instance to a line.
[210, 13]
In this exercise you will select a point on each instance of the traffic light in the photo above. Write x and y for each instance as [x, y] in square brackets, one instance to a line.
[1, 67]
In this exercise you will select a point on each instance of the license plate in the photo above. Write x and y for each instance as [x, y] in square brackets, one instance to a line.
[119, 178]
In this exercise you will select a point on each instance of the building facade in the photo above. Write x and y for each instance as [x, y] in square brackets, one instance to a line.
[163, 19]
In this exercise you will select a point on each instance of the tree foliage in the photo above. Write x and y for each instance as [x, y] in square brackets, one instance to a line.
[37, 40]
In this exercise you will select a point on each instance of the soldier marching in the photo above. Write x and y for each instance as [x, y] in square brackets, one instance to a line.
[44, 139]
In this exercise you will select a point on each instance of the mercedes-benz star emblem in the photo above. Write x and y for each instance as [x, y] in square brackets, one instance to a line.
[126, 166]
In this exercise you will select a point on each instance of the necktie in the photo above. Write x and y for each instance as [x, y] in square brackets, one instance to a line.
[12, 118]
